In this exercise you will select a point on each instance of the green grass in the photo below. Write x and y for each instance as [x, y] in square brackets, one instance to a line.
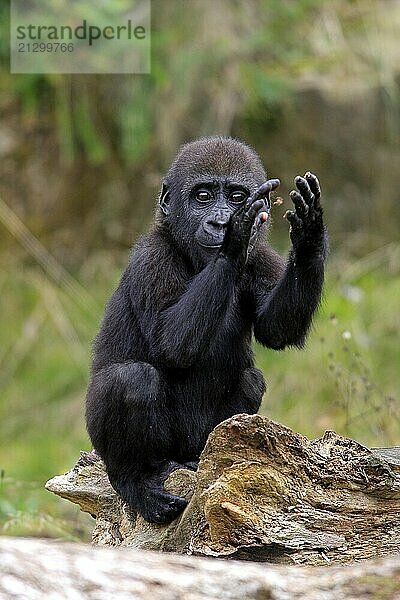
[347, 379]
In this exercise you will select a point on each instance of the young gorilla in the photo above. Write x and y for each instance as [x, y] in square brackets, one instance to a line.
[173, 356]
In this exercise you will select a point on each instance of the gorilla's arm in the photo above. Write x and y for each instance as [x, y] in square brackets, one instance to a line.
[182, 331]
[179, 311]
[283, 314]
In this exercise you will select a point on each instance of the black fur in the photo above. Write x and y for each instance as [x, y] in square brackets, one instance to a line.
[173, 357]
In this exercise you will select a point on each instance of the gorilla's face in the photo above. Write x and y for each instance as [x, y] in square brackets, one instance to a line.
[209, 180]
[212, 204]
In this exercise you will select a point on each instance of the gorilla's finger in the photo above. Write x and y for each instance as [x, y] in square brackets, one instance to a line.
[237, 215]
[261, 218]
[294, 220]
[266, 188]
[299, 203]
[252, 211]
[263, 191]
[314, 184]
[304, 189]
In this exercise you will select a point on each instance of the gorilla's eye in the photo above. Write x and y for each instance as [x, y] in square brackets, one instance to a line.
[203, 196]
[237, 196]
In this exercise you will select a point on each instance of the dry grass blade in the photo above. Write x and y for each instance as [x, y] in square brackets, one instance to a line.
[51, 266]
[61, 321]
[14, 356]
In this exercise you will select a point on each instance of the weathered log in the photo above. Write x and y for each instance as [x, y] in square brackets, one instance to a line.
[261, 492]
[35, 569]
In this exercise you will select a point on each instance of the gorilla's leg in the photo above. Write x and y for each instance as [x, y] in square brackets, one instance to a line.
[249, 392]
[129, 426]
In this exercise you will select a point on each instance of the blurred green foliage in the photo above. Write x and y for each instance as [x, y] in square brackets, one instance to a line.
[310, 84]
[244, 56]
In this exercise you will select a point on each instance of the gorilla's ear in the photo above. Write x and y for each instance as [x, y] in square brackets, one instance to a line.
[164, 199]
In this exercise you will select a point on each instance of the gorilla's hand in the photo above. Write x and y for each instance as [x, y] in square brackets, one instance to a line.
[245, 223]
[307, 230]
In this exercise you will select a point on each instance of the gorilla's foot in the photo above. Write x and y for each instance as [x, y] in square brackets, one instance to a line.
[146, 495]
[161, 507]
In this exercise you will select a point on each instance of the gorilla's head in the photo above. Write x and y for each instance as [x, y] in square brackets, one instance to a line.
[208, 181]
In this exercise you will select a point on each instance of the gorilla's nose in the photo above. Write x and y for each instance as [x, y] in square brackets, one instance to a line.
[217, 222]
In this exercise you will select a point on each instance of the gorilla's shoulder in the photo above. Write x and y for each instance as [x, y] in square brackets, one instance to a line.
[156, 265]
[150, 249]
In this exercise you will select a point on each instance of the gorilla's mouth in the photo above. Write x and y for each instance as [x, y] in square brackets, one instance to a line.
[210, 246]
[210, 240]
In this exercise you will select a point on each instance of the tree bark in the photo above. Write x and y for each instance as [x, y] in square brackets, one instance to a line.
[262, 492]
[35, 569]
